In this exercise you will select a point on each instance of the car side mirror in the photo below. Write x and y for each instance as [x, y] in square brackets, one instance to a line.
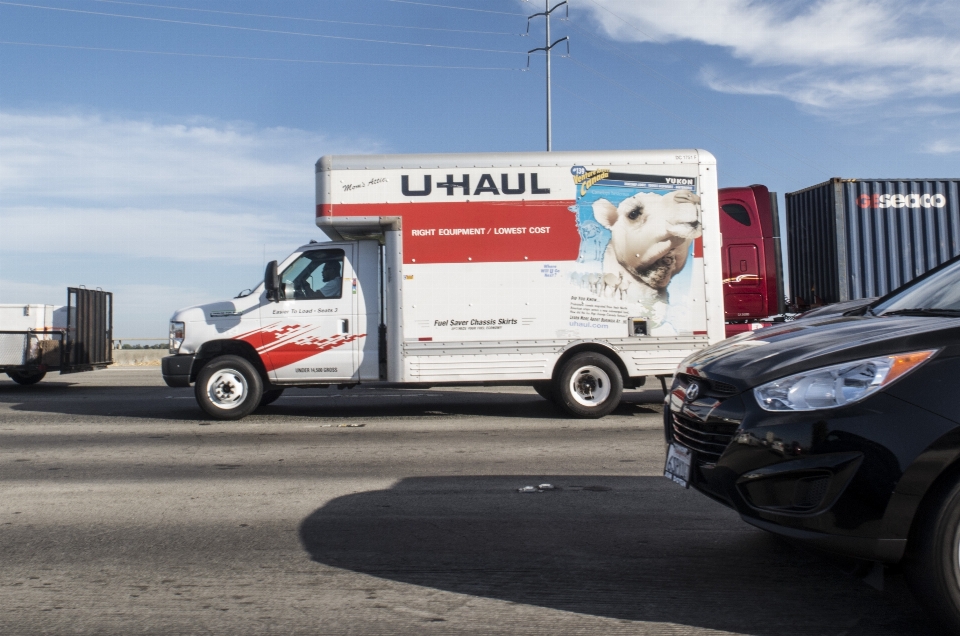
[271, 282]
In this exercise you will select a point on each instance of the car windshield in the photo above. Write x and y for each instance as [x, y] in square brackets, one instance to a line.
[937, 294]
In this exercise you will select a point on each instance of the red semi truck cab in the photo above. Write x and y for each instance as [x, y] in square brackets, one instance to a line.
[752, 274]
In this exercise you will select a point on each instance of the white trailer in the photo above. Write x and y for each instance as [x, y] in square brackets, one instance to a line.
[577, 273]
[35, 339]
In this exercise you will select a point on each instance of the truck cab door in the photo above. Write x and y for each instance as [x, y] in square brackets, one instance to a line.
[744, 287]
[743, 279]
[311, 334]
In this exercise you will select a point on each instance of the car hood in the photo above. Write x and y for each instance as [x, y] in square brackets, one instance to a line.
[754, 358]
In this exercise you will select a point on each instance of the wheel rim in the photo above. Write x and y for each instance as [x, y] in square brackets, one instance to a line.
[227, 389]
[590, 386]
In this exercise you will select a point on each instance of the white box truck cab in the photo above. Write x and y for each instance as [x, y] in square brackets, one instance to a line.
[576, 273]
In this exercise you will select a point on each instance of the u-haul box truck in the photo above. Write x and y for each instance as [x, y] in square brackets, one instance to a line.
[577, 273]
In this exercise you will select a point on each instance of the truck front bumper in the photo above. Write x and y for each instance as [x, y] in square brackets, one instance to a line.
[176, 370]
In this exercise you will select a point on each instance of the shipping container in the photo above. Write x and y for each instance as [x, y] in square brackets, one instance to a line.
[859, 238]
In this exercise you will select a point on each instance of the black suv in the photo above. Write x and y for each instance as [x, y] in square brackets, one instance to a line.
[840, 431]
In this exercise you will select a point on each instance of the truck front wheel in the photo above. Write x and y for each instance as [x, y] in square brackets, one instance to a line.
[228, 388]
[589, 386]
[26, 377]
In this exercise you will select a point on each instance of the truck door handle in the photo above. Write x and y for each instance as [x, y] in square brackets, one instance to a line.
[344, 325]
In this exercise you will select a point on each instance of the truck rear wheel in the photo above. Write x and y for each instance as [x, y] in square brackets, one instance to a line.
[228, 388]
[932, 562]
[26, 378]
[589, 386]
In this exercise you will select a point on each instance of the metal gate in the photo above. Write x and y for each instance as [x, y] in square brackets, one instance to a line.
[89, 337]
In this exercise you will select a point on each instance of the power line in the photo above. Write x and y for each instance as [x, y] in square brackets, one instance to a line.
[287, 17]
[257, 59]
[446, 6]
[240, 28]
[673, 115]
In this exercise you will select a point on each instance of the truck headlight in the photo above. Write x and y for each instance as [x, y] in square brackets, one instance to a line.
[837, 385]
[177, 329]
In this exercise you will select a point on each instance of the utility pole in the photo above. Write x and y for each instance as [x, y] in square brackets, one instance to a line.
[546, 49]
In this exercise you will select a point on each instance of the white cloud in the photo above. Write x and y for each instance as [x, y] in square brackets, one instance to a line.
[112, 161]
[821, 53]
[189, 191]
[129, 232]
[811, 88]
[943, 147]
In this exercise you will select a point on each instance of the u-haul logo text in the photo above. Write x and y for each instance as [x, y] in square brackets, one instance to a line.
[882, 201]
[486, 184]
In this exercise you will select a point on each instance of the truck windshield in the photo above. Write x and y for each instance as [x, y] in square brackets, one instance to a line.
[938, 294]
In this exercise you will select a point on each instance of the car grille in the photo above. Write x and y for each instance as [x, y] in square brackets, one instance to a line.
[708, 440]
[722, 387]
[711, 388]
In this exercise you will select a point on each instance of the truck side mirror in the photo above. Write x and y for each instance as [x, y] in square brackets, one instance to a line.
[271, 282]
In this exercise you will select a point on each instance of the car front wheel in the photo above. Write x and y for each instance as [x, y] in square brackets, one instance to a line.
[228, 388]
[932, 562]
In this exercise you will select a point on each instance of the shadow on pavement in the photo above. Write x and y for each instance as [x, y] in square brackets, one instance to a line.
[634, 548]
[151, 402]
[44, 387]
[64, 398]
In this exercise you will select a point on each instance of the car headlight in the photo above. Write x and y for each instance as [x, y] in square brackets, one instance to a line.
[177, 329]
[837, 385]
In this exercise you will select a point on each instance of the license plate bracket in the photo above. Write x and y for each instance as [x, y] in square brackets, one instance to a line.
[678, 465]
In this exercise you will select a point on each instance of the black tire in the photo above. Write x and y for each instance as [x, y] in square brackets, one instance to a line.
[545, 390]
[269, 397]
[931, 563]
[589, 386]
[26, 378]
[228, 388]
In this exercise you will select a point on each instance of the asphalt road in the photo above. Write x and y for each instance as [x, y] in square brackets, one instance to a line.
[123, 511]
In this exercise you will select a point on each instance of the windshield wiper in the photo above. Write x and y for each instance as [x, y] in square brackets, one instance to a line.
[923, 311]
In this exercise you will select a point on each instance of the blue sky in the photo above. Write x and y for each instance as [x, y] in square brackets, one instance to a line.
[166, 154]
